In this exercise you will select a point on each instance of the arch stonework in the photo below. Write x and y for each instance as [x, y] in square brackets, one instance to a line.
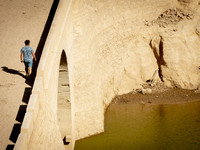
[64, 114]
[40, 129]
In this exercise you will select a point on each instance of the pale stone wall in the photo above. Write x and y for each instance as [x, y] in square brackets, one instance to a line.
[113, 53]
[112, 48]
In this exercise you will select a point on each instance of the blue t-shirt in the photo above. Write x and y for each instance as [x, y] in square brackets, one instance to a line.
[27, 53]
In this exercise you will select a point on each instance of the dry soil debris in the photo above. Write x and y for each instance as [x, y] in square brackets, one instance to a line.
[170, 17]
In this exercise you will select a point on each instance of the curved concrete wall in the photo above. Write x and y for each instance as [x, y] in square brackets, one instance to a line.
[40, 122]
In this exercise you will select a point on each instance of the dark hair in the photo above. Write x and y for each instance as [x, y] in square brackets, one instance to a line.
[27, 42]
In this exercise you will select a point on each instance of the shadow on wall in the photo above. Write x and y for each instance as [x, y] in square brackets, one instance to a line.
[43, 38]
[157, 48]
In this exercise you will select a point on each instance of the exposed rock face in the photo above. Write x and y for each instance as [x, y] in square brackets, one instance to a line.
[185, 1]
[157, 46]
[124, 51]
[198, 28]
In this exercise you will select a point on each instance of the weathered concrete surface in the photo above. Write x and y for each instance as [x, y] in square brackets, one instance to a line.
[115, 52]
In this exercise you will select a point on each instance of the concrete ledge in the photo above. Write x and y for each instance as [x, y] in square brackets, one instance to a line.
[37, 85]
[22, 143]
[42, 64]
[27, 125]
[33, 106]
[39, 90]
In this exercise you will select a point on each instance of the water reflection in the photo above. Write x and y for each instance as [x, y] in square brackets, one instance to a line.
[131, 126]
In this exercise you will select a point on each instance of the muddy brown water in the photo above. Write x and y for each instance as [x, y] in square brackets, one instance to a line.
[131, 126]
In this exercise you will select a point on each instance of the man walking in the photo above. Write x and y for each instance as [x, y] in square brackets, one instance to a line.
[26, 56]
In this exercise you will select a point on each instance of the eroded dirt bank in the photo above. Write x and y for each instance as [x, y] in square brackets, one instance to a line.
[158, 95]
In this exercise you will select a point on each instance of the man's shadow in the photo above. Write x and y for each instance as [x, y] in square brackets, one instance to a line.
[16, 72]
[12, 71]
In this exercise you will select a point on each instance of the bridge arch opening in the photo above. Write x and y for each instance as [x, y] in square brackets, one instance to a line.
[64, 102]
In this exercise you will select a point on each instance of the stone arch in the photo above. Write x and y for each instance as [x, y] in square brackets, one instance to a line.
[64, 115]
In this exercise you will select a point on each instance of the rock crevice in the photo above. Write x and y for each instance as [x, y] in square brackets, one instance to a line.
[156, 45]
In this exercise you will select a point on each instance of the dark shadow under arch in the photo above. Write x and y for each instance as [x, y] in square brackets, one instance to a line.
[64, 103]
